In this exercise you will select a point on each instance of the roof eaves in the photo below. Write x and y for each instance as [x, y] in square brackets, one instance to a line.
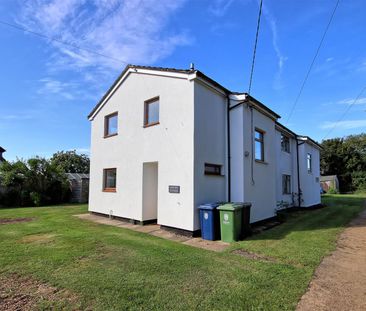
[286, 129]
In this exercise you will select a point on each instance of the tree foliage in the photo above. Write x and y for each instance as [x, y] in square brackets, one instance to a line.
[345, 157]
[71, 162]
[33, 182]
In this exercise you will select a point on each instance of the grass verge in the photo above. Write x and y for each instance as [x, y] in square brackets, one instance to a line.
[111, 268]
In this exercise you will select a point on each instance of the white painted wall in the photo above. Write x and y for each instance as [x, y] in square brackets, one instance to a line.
[286, 164]
[237, 152]
[170, 144]
[259, 189]
[150, 191]
[309, 182]
[209, 146]
[262, 194]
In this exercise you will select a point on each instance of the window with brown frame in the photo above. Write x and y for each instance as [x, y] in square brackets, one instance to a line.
[151, 112]
[212, 169]
[109, 179]
[259, 145]
[111, 124]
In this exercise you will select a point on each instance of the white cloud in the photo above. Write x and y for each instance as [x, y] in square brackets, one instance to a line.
[131, 31]
[350, 101]
[52, 86]
[329, 59]
[345, 125]
[219, 7]
[281, 58]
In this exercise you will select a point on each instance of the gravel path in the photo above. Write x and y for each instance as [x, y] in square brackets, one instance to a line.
[339, 282]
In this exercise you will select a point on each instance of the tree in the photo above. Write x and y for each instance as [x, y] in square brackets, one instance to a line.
[332, 157]
[33, 182]
[71, 162]
[345, 157]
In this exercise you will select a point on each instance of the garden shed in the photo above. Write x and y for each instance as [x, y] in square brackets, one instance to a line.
[329, 182]
[79, 186]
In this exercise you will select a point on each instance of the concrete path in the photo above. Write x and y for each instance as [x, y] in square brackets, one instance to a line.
[217, 246]
[339, 282]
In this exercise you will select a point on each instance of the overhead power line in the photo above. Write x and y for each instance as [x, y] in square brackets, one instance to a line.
[255, 46]
[312, 62]
[61, 41]
[345, 112]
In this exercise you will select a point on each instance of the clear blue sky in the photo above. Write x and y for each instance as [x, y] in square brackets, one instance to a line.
[47, 89]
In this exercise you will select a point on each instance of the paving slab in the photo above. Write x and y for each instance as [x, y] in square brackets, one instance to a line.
[155, 230]
[217, 246]
[169, 235]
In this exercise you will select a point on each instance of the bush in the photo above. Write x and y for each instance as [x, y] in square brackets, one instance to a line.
[359, 181]
[332, 191]
[34, 182]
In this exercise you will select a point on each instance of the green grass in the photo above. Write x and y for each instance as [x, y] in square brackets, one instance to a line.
[116, 269]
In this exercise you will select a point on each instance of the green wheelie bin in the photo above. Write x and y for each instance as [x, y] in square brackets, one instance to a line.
[231, 221]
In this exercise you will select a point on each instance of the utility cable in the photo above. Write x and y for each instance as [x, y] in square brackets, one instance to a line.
[312, 63]
[345, 112]
[255, 46]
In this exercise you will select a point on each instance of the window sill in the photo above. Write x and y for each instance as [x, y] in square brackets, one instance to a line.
[212, 174]
[109, 190]
[111, 135]
[151, 124]
[260, 161]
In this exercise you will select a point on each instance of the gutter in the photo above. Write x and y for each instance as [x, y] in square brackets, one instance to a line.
[299, 192]
[228, 148]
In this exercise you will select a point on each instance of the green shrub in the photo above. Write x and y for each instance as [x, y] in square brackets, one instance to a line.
[332, 190]
[359, 181]
[34, 182]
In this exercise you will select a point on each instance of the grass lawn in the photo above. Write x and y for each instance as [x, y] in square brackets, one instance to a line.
[111, 268]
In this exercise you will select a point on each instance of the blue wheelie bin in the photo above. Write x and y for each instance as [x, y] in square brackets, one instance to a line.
[210, 221]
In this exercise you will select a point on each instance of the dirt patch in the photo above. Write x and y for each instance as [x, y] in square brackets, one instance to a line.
[38, 238]
[254, 256]
[25, 293]
[6, 221]
[339, 283]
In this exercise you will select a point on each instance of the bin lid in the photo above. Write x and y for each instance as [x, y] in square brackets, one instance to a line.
[209, 206]
[231, 206]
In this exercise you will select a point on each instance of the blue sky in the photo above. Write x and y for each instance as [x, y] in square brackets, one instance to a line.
[47, 89]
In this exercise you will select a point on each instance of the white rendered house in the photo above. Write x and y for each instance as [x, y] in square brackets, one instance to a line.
[165, 141]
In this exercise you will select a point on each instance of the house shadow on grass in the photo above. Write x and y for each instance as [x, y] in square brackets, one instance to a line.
[338, 212]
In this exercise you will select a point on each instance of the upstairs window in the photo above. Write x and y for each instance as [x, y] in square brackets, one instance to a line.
[285, 143]
[111, 124]
[309, 163]
[212, 169]
[151, 116]
[286, 184]
[109, 179]
[259, 145]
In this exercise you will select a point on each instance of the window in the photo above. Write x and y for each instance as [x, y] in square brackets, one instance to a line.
[285, 143]
[109, 179]
[111, 124]
[259, 145]
[212, 169]
[286, 184]
[151, 112]
[308, 162]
